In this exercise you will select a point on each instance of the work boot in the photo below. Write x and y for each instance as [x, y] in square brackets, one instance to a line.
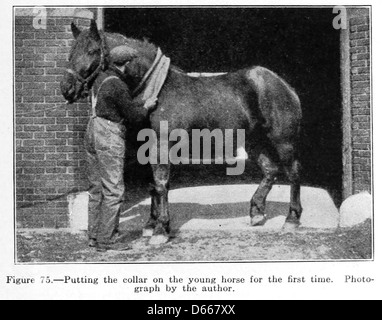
[118, 246]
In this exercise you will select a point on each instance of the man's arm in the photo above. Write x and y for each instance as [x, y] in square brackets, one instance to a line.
[131, 110]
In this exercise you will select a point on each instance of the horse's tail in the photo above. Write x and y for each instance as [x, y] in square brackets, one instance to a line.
[278, 104]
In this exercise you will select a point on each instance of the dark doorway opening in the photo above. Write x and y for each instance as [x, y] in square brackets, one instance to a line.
[300, 44]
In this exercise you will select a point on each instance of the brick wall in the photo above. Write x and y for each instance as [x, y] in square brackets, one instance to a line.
[48, 134]
[359, 24]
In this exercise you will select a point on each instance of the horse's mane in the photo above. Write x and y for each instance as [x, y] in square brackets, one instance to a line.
[116, 39]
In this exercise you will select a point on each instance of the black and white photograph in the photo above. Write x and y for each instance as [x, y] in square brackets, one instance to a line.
[192, 136]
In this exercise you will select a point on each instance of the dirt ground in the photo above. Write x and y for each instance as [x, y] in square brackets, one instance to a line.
[248, 244]
[213, 246]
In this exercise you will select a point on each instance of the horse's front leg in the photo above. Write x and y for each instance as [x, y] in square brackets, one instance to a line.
[159, 222]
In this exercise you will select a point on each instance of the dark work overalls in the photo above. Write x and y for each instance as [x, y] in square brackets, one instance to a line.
[105, 149]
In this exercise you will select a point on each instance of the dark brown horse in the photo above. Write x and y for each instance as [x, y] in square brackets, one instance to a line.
[254, 99]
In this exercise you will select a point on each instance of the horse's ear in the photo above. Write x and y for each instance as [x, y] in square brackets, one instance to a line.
[76, 32]
[94, 30]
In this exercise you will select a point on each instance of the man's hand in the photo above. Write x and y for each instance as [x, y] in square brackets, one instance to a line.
[150, 104]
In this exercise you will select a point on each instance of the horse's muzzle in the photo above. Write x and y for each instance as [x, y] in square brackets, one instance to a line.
[72, 90]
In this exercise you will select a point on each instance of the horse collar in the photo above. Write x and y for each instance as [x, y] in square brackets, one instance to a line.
[147, 75]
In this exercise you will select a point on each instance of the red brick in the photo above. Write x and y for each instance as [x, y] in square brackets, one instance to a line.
[21, 78]
[56, 156]
[363, 97]
[63, 21]
[63, 49]
[357, 35]
[67, 149]
[34, 142]
[55, 99]
[45, 149]
[24, 120]
[75, 142]
[44, 79]
[45, 190]
[56, 43]
[24, 21]
[362, 56]
[66, 135]
[58, 113]
[24, 135]
[25, 149]
[363, 42]
[64, 36]
[67, 121]
[361, 63]
[46, 50]
[24, 64]
[360, 90]
[45, 64]
[34, 197]
[44, 164]
[24, 35]
[33, 43]
[53, 85]
[358, 50]
[44, 135]
[57, 70]
[67, 163]
[44, 120]
[58, 29]
[360, 77]
[45, 35]
[361, 146]
[34, 156]
[361, 84]
[359, 21]
[24, 50]
[34, 71]
[55, 142]
[33, 99]
[28, 128]
[360, 111]
[34, 85]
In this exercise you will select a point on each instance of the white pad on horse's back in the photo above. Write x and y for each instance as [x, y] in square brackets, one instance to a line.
[122, 54]
[241, 154]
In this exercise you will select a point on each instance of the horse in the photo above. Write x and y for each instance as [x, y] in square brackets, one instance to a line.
[254, 99]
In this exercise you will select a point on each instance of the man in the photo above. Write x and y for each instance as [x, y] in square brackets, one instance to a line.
[105, 148]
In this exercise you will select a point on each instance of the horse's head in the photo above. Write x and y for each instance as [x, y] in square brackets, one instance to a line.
[86, 60]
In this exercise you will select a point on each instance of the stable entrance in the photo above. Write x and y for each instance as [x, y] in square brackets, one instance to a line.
[299, 44]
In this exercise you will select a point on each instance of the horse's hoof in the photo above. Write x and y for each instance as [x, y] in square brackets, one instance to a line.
[158, 240]
[289, 227]
[258, 220]
[147, 233]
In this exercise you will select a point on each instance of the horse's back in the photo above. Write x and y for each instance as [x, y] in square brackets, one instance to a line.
[203, 102]
[241, 99]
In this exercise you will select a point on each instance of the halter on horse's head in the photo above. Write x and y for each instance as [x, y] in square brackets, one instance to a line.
[87, 59]
[92, 53]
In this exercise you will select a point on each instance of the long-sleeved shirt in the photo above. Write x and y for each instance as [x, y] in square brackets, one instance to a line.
[114, 100]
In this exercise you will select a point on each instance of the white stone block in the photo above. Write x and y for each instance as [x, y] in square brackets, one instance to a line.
[356, 209]
[78, 211]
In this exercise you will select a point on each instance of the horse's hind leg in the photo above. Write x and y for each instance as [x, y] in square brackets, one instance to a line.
[159, 222]
[292, 168]
[270, 170]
